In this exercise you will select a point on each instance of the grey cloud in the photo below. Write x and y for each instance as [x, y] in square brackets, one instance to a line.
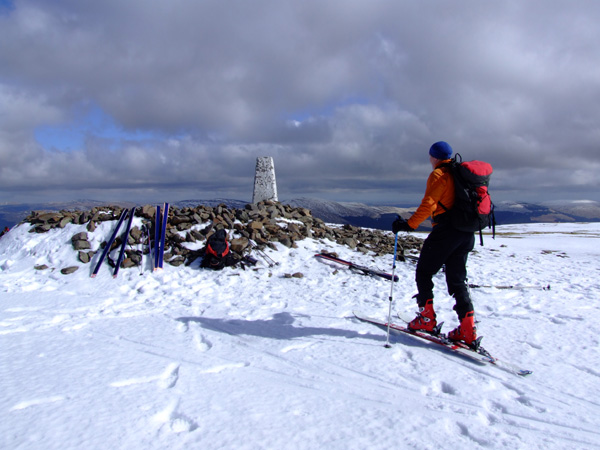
[346, 95]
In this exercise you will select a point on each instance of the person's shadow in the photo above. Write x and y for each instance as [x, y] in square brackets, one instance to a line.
[280, 326]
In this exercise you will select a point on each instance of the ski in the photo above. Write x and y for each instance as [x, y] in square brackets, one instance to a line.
[146, 231]
[124, 243]
[478, 349]
[163, 232]
[362, 269]
[157, 226]
[516, 286]
[109, 244]
[479, 355]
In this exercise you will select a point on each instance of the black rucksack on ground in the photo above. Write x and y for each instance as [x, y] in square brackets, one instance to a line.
[216, 253]
[473, 209]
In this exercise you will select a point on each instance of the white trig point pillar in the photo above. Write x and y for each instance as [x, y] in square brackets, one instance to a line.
[265, 186]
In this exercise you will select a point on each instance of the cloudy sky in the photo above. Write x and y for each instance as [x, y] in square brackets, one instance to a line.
[151, 101]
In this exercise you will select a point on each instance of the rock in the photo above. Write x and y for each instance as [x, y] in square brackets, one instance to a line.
[50, 217]
[179, 219]
[177, 261]
[84, 217]
[350, 242]
[148, 212]
[128, 263]
[286, 241]
[84, 257]
[135, 257]
[64, 221]
[80, 241]
[239, 245]
[69, 270]
[81, 245]
[83, 236]
[184, 226]
[294, 275]
[266, 223]
[255, 225]
[136, 234]
[41, 228]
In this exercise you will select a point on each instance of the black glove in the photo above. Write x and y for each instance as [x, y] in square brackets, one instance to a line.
[401, 225]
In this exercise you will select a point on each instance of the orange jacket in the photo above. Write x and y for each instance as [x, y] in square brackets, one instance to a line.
[440, 188]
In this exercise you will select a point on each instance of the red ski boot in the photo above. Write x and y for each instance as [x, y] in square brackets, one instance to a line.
[425, 320]
[466, 331]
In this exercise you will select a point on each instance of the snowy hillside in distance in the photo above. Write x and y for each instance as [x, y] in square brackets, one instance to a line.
[381, 217]
[187, 358]
[329, 209]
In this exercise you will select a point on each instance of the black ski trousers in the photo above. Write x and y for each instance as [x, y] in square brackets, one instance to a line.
[450, 247]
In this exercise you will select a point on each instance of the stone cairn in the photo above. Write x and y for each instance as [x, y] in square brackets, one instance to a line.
[264, 223]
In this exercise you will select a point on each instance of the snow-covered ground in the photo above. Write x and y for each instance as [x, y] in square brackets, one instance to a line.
[189, 358]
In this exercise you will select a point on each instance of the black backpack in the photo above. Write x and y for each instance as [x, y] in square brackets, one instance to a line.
[473, 209]
[216, 253]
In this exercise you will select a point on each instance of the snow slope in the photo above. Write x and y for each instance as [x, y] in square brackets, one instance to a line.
[188, 358]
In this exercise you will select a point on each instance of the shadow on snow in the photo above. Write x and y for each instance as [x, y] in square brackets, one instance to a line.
[280, 326]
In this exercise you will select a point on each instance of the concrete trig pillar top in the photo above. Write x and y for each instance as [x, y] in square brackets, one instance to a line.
[265, 186]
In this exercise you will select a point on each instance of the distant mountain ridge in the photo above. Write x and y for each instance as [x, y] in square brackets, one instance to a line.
[357, 214]
[381, 217]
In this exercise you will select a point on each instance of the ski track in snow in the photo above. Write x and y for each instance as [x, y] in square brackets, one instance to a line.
[251, 359]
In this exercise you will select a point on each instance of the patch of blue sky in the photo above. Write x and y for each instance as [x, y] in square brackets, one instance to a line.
[6, 6]
[92, 123]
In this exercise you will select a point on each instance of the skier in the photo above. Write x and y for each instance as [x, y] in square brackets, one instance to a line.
[444, 246]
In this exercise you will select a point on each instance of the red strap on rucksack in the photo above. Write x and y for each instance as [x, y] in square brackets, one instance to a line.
[221, 254]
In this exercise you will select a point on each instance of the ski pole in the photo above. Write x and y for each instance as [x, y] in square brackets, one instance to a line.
[270, 261]
[387, 343]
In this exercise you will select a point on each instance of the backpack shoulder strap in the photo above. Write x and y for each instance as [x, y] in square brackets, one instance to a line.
[451, 166]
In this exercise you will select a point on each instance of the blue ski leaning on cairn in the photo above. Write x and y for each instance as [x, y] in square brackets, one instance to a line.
[160, 231]
[125, 238]
[109, 244]
[157, 224]
[163, 235]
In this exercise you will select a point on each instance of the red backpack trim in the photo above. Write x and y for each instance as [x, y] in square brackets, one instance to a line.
[211, 251]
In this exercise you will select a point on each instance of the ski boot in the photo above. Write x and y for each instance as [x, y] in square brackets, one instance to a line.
[425, 320]
[466, 332]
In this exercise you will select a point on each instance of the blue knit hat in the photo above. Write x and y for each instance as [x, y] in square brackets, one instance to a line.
[441, 150]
